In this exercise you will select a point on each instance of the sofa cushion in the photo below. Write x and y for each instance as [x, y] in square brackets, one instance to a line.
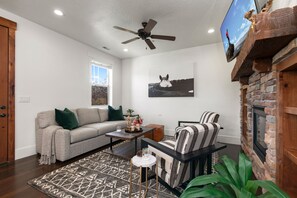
[87, 116]
[115, 114]
[46, 118]
[82, 133]
[66, 119]
[105, 127]
[103, 114]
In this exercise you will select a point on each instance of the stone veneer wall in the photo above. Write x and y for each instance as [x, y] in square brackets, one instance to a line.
[261, 91]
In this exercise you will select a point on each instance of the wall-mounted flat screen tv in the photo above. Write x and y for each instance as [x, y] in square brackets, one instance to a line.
[235, 27]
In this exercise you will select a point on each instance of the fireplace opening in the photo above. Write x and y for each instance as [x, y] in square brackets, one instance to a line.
[259, 128]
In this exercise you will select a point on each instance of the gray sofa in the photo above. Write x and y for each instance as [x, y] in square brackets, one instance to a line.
[93, 124]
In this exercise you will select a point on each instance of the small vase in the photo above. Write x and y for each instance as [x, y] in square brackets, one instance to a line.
[137, 127]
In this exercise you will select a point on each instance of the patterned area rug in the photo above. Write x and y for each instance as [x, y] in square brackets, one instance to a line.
[99, 175]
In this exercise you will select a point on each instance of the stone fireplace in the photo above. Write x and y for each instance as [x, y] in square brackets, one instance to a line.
[259, 128]
[266, 68]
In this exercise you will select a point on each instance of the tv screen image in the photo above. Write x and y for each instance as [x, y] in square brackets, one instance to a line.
[235, 27]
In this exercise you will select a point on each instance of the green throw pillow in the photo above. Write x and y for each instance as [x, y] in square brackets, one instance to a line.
[115, 114]
[66, 119]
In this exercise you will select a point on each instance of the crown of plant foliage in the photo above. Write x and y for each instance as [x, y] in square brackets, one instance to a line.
[231, 180]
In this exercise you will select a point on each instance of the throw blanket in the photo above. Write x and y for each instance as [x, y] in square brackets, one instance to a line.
[48, 155]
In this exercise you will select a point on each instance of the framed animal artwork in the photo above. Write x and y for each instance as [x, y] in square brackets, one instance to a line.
[171, 81]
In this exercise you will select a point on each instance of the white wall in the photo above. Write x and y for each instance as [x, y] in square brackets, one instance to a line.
[53, 70]
[214, 90]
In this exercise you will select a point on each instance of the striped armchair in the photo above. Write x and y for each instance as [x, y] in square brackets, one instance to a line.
[206, 117]
[177, 160]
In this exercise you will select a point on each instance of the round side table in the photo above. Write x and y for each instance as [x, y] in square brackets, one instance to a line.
[143, 162]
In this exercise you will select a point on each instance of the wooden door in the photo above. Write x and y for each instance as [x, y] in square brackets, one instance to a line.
[4, 33]
[7, 87]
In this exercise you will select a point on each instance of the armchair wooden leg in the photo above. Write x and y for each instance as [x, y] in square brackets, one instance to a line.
[173, 190]
[192, 169]
[201, 165]
[209, 164]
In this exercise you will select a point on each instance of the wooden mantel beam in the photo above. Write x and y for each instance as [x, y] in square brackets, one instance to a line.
[271, 33]
[262, 65]
[244, 80]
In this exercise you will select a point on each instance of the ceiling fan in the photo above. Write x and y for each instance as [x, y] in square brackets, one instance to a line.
[145, 33]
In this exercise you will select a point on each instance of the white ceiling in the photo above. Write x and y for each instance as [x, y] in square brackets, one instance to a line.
[91, 21]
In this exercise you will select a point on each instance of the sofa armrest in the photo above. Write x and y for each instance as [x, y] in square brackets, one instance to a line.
[183, 157]
[62, 144]
[39, 134]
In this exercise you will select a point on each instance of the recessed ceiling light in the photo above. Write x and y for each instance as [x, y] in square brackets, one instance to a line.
[58, 12]
[125, 50]
[211, 30]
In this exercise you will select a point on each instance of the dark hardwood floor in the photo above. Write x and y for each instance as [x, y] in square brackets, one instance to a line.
[14, 177]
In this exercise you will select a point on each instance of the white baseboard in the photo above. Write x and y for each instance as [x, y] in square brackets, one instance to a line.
[25, 152]
[229, 139]
[221, 138]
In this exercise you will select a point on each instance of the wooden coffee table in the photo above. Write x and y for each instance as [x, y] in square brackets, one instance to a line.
[122, 135]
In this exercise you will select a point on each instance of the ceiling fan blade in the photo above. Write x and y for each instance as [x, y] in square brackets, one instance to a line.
[150, 25]
[163, 37]
[128, 41]
[124, 29]
[150, 44]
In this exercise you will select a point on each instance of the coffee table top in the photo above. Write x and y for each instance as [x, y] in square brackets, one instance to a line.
[128, 136]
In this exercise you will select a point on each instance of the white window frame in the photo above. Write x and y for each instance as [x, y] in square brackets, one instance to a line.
[109, 80]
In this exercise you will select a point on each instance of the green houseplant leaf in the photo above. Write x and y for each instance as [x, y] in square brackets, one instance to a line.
[266, 195]
[232, 169]
[244, 169]
[232, 181]
[208, 191]
[270, 187]
[222, 170]
[207, 179]
[226, 189]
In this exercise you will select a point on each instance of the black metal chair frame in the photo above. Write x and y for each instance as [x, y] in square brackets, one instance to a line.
[200, 156]
[189, 122]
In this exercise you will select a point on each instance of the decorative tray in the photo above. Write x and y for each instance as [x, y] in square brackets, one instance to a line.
[128, 130]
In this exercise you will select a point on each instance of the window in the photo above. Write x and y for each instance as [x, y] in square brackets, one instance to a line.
[100, 84]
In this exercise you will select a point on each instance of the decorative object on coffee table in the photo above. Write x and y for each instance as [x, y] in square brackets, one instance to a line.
[137, 122]
[129, 114]
[133, 129]
[158, 132]
[122, 135]
[143, 162]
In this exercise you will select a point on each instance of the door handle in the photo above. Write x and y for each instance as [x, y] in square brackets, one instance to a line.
[2, 115]
[2, 107]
